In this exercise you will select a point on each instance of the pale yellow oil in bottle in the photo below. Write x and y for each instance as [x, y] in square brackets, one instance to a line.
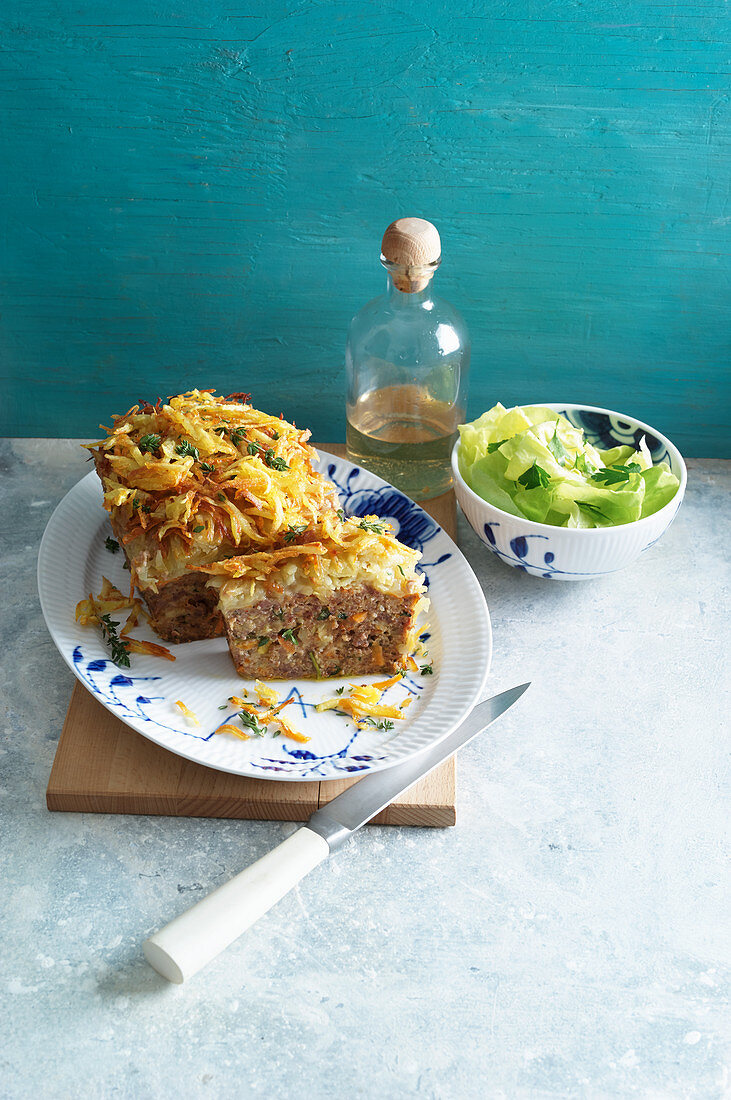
[405, 436]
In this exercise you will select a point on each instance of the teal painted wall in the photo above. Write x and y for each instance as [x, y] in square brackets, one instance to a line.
[194, 194]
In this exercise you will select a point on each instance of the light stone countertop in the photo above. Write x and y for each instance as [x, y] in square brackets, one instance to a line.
[569, 938]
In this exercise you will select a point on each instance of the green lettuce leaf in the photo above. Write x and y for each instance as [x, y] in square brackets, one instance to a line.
[660, 487]
[530, 461]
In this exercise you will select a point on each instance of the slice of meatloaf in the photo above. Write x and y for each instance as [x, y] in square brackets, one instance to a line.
[344, 604]
[358, 630]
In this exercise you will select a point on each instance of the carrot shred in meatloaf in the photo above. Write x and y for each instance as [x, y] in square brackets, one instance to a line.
[198, 479]
[226, 524]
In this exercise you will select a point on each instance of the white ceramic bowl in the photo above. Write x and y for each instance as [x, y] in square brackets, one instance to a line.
[576, 554]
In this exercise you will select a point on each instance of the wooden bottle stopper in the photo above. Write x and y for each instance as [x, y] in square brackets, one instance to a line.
[411, 248]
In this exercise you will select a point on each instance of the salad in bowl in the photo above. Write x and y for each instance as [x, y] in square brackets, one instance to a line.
[566, 491]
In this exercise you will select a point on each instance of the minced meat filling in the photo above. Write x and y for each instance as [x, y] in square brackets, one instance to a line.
[358, 631]
[185, 610]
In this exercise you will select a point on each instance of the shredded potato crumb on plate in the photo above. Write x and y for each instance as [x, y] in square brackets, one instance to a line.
[189, 714]
[96, 610]
[259, 717]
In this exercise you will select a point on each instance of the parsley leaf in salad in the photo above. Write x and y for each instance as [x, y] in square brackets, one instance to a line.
[613, 475]
[534, 477]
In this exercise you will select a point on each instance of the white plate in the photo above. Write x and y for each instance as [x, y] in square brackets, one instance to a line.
[73, 558]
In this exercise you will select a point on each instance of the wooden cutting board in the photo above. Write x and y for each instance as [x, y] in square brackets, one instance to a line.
[102, 766]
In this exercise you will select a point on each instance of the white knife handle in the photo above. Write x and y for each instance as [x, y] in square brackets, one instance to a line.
[189, 942]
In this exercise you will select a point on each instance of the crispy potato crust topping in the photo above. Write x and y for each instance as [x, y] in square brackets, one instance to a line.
[204, 475]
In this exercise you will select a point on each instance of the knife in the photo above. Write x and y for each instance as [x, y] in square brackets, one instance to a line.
[188, 943]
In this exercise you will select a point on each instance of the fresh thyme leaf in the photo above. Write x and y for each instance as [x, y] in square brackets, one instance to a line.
[111, 544]
[221, 429]
[223, 707]
[263, 640]
[147, 508]
[252, 723]
[615, 475]
[237, 435]
[278, 613]
[289, 635]
[534, 477]
[340, 514]
[187, 450]
[324, 614]
[339, 691]
[221, 496]
[275, 435]
[274, 461]
[207, 467]
[342, 615]
[492, 447]
[200, 527]
[295, 529]
[117, 645]
[254, 448]
[426, 670]
[401, 570]
[382, 724]
[557, 449]
[376, 528]
[149, 443]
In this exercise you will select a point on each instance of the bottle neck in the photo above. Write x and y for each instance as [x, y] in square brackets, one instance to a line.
[401, 299]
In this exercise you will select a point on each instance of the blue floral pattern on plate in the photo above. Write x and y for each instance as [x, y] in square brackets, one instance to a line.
[119, 692]
[72, 560]
[411, 524]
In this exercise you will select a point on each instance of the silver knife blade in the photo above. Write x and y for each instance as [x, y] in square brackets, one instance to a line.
[337, 821]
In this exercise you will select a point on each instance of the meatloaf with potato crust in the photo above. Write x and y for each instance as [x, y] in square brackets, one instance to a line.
[196, 480]
[344, 603]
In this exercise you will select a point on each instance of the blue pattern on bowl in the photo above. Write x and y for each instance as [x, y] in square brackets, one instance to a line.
[605, 431]
[520, 549]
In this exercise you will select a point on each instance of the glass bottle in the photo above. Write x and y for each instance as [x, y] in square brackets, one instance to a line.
[407, 362]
